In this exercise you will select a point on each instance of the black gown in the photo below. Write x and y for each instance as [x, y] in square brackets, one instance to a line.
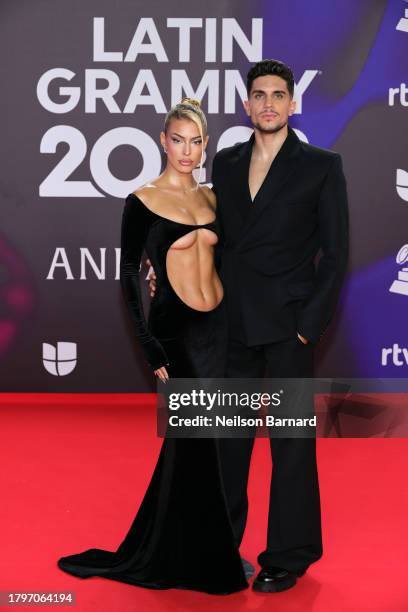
[181, 536]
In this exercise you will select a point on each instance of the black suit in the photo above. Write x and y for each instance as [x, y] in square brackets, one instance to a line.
[270, 244]
[273, 290]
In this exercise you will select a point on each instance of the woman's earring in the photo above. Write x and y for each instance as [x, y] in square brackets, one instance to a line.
[164, 149]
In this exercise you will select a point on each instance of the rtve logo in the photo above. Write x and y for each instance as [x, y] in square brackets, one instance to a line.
[392, 356]
[401, 91]
[60, 360]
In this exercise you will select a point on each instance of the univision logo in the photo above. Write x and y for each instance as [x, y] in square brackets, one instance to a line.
[59, 360]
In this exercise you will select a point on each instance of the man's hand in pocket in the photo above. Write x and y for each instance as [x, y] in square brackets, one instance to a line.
[301, 338]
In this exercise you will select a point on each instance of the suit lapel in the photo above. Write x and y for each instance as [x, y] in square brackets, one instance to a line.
[278, 174]
[239, 178]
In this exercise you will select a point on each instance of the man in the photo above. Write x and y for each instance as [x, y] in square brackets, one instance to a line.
[280, 201]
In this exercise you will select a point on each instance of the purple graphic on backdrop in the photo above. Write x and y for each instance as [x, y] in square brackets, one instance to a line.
[360, 55]
[17, 297]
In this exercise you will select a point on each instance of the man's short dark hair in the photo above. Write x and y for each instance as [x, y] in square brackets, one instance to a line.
[272, 67]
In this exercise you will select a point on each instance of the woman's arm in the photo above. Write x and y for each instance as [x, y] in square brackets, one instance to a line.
[135, 228]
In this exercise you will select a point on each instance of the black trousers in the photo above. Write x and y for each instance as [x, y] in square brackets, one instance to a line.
[294, 539]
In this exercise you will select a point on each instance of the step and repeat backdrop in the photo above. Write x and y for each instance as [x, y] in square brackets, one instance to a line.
[85, 87]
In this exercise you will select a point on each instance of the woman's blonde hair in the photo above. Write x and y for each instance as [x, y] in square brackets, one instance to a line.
[190, 109]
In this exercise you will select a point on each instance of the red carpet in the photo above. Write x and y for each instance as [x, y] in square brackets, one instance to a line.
[54, 505]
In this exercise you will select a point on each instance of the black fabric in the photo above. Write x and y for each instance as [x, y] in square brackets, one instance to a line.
[274, 288]
[182, 535]
[142, 229]
[271, 244]
[294, 539]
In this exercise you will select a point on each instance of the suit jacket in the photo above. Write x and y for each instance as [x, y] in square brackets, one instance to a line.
[273, 287]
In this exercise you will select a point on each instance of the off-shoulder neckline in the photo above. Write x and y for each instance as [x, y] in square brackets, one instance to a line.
[172, 220]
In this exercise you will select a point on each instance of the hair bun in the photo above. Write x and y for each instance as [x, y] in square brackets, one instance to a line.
[191, 101]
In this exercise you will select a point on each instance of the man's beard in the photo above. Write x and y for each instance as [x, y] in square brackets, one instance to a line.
[270, 130]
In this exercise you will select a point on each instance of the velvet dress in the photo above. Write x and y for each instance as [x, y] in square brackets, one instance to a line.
[181, 536]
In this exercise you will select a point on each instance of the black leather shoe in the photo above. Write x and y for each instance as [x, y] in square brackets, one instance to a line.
[273, 580]
[248, 568]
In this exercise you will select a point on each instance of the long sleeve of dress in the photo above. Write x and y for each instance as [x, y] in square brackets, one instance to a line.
[136, 221]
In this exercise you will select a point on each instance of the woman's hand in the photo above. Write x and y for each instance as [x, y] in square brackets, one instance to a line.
[162, 374]
[151, 277]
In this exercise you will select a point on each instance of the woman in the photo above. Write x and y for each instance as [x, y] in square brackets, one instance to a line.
[181, 536]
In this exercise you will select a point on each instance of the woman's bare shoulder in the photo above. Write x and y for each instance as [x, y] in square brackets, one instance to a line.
[148, 194]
